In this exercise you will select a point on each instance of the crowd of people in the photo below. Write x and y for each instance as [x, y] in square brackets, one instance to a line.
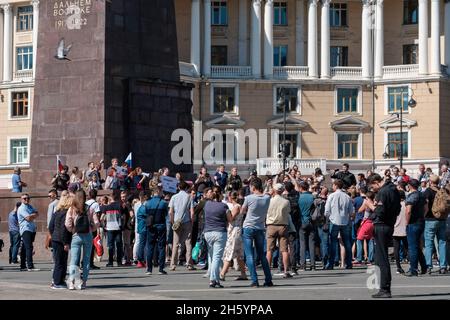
[287, 221]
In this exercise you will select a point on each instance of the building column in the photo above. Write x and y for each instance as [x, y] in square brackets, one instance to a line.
[312, 39]
[447, 35]
[325, 40]
[268, 39]
[300, 33]
[379, 40]
[7, 42]
[366, 51]
[423, 37]
[435, 66]
[35, 4]
[256, 38]
[207, 40]
[243, 11]
[195, 35]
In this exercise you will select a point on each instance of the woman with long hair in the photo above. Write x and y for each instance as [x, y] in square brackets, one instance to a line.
[81, 222]
[234, 248]
[61, 239]
[217, 216]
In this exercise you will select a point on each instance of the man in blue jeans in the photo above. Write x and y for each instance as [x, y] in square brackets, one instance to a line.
[112, 214]
[416, 208]
[26, 216]
[339, 208]
[14, 234]
[434, 228]
[256, 206]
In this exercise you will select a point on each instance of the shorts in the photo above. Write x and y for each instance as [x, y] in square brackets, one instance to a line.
[275, 233]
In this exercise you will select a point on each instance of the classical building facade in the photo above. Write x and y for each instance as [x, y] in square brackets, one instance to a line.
[346, 72]
[18, 34]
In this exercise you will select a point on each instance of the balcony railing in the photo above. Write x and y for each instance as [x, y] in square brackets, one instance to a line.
[23, 75]
[401, 71]
[187, 69]
[275, 165]
[230, 72]
[346, 73]
[288, 72]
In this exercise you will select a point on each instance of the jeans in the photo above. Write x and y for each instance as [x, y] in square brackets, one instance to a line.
[216, 241]
[257, 237]
[346, 234]
[169, 230]
[14, 240]
[324, 236]
[80, 241]
[382, 234]
[26, 251]
[156, 236]
[432, 229]
[359, 250]
[60, 268]
[115, 241]
[142, 237]
[414, 233]
[307, 240]
[398, 241]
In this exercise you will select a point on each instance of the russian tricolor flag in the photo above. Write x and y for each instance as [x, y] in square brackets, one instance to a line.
[59, 163]
[129, 161]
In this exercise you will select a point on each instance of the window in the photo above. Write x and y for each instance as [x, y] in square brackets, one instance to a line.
[25, 18]
[398, 98]
[219, 55]
[410, 53]
[290, 100]
[395, 146]
[225, 148]
[410, 12]
[280, 56]
[339, 56]
[219, 13]
[347, 146]
[280, 14]
[338, 14]
[347, 100]
[224, 99]
[24, 58]
[291, 143]
[18, 151]
[19, 107]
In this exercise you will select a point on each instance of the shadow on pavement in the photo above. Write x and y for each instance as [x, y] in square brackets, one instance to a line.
[118, 286]
[422, 295]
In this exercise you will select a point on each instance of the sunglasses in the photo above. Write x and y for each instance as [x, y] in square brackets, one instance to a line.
[26, 198]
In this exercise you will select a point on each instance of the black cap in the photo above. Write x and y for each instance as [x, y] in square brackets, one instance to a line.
[414, 183]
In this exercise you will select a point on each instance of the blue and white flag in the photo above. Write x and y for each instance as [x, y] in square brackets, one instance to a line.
[129, 161]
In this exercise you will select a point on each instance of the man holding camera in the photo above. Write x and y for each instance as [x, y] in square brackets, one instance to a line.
[346, 176]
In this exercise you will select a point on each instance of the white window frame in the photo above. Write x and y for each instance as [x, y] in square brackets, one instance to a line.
[8, 151]
[360, 144]
[275, 142]
[359, 109]
[10, 94]
[17, 57]
[16, 13]
[236, 98]
[287, 52]
[287, 18]
[220, 17]
[386, 97]
[298, 110]
[397, 130]
[340, 16]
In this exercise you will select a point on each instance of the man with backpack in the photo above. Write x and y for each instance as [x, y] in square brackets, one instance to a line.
[307, 231]
[321, 224]
[435, 224]
[387, 208]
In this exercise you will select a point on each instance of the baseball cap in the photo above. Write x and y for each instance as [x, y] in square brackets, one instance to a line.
[278, 187]
[414, 183]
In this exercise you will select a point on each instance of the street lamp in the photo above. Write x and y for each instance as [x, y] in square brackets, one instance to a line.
[281, 103]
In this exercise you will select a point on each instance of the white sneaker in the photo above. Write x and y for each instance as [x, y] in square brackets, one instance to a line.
[78, 284]
[279, 274]
[70, 285]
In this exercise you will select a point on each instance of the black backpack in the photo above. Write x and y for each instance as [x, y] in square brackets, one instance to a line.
[83, 224]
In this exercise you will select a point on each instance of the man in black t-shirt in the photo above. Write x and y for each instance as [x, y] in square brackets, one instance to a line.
[416, 208]
[61, 180]
[434, 228]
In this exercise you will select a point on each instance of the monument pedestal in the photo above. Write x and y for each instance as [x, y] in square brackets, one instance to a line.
[120, 92]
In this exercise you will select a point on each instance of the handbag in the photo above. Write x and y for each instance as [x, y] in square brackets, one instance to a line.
[98, 245]
[48, 241]
[176, 225]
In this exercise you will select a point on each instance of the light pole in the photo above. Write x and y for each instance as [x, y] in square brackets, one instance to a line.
[281, 103]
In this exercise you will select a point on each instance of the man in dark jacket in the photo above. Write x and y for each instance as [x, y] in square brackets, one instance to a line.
[387, 209]
[346, 176]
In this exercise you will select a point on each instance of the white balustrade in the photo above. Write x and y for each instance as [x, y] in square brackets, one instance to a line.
[346, 73]
[401, 71]
[227, 72]
[275, 165]
[288, 72]
[23, 75]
